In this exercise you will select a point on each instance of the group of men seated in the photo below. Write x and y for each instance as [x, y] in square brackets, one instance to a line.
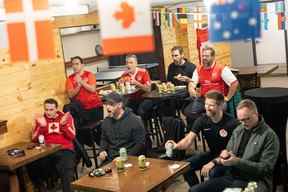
[240, 150]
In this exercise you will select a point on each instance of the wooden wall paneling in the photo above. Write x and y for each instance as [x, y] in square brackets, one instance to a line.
[223, 53]
[192, 44]
[168, 41]
[24, 86]
[182, 38]
[77, 20]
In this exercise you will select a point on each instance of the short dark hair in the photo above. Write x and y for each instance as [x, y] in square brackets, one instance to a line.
[51, 101]
[77, 57]
[211, 49]
[248, 103]
[215, 95]
[179, 48]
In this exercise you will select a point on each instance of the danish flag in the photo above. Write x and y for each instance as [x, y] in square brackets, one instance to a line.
[29, 30]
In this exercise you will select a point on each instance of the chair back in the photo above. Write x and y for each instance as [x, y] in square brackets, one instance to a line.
[82, 153]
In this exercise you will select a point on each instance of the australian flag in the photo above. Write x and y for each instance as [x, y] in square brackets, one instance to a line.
[234, 20]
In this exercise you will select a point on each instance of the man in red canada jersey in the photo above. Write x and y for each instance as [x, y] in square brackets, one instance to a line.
[86, 105]
[56, 128]
[140, 78]
[209, 76]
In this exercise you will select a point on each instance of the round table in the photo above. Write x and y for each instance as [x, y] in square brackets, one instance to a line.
[272, 103]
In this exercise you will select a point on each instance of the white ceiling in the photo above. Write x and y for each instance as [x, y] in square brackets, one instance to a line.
[92, 3]
[73, 7]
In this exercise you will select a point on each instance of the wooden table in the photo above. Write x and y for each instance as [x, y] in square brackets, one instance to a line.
[12, 165]
[158, 175]
[9, 163]
[109, 75]
[115, 72]
[261, 70]
[179, 91]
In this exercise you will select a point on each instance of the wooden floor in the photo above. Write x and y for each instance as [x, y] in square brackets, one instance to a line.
[281, 81]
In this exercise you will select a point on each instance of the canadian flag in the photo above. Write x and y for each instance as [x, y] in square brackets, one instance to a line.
[29, 30]
[126, 26]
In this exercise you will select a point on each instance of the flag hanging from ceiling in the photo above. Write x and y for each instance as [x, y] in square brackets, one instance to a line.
[234, 20]
[125, 26]
[29, 30]
[272, 17]
[264, 16]
[279, 7]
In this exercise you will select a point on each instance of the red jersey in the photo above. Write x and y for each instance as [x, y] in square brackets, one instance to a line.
[56, 132]
[210, 79]
[88, 99]
[142, 76]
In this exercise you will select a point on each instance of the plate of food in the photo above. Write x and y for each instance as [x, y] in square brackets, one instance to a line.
[180, 87]
[104, 92]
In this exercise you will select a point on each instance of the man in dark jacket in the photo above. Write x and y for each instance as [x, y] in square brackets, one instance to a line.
[122, 128]
[181, 70]
[250, 155]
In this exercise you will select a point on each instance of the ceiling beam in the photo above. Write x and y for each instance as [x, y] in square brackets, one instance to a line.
[76, 20]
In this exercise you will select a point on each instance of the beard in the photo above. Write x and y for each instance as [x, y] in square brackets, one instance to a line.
[210, 113]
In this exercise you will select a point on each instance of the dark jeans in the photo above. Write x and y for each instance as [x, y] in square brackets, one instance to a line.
[218, 184]
[197, 160]
[4, 181]
[62, 162]
[141, 107]
[221, 177]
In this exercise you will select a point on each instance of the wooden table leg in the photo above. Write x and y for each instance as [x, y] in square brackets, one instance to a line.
[14, 183]
[9, 182]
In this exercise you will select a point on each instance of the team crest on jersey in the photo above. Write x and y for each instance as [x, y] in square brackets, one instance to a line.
[53, 127]
[223, 133]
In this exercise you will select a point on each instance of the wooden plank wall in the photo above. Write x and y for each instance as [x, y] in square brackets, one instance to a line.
[24, 86]
[172, 36]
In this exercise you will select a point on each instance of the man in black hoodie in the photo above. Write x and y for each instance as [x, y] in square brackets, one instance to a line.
[122, 128]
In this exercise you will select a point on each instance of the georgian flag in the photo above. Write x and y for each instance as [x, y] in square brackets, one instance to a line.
[126, 26]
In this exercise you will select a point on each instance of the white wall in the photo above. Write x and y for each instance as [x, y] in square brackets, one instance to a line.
[271, 48]
[81, 44]
[241, 54]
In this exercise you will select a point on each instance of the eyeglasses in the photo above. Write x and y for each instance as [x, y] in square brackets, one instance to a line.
[174, 55]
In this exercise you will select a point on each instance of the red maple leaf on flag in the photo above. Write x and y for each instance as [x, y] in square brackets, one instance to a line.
[126, 15]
